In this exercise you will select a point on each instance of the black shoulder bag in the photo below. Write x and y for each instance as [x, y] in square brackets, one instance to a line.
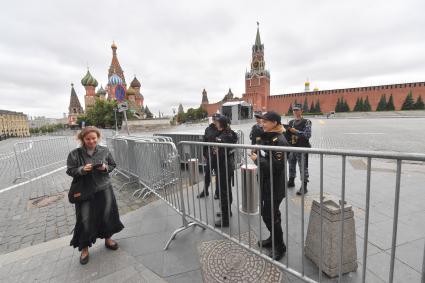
[82, 187]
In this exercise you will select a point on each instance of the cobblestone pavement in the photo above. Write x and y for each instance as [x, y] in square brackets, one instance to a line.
[39, 211]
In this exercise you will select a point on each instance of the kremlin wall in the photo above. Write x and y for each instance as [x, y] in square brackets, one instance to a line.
[257, 91]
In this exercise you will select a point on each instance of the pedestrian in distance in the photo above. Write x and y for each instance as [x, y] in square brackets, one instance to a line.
[272, 136]
[97, 214]
[298, 134]
[225, 169]
[210, 134]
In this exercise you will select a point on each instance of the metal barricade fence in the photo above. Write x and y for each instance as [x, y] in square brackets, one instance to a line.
[203, 211]
[180, 137]
[35, 157]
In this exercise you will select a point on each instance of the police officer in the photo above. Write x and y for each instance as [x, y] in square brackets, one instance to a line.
[298, 134]
[225, 169]
[272, 136]
[256, 130]
[210, 135]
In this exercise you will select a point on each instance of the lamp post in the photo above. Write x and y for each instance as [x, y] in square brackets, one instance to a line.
[116, 123]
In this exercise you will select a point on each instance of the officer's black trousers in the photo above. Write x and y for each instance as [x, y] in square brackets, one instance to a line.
[225, 192]
[207, 176]
[266, 213]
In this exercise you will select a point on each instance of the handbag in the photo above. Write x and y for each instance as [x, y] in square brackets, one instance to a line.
[82, 187]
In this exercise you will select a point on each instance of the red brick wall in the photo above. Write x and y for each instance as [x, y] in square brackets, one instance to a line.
[211, 108]
[328, 98]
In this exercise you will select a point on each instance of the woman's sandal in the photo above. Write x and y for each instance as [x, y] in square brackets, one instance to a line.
[113, 247]
[84, 260]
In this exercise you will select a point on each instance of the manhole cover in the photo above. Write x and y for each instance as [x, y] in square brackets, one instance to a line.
[44, 200]
[223, 261]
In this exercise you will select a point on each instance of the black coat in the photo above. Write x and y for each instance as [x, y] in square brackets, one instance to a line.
[278, 164]
[226, 136]
[210, 135]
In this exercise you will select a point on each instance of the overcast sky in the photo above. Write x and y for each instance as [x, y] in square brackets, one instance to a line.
[177, 48]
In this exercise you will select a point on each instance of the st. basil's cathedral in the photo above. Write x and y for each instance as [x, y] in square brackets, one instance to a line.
[116, 78]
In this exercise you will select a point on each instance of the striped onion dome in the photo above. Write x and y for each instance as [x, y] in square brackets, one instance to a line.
[115, 80]
[88, 80]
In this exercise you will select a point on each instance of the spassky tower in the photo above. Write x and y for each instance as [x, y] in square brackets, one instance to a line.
[257, 80]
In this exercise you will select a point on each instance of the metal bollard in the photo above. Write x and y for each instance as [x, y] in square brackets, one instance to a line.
[192, 165]
[249, 189]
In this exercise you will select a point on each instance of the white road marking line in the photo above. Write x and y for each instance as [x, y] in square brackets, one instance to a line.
[36, 178]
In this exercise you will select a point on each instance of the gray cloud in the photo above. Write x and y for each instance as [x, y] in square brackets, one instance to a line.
[177, 48]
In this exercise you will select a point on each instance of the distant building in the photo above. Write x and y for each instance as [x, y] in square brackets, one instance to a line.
[257, 91]
[13, 124]
[37, 122]
[74, 109]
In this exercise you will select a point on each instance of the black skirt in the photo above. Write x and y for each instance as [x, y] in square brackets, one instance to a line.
[96, 218]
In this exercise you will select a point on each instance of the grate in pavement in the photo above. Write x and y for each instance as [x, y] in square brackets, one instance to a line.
[44, 200]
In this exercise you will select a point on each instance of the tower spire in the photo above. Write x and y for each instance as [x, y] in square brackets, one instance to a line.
[257, 37]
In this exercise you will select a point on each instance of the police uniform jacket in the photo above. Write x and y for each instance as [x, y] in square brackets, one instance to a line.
[303, 135]
[226, 136]
[274, 138]
[210, 135]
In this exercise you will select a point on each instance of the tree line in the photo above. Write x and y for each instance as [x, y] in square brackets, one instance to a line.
[363, 105]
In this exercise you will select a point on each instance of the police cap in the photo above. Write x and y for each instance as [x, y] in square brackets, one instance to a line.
[271, 116]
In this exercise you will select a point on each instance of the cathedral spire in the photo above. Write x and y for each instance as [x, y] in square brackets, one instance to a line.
[115, 67]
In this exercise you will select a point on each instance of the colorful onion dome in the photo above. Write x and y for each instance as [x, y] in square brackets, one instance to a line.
[101, 91]
[88, 80]
[131, 91]
[115, 80]
[135, 82]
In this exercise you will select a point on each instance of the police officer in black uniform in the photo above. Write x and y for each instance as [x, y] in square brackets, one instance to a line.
[298, 133]
[256, 130]
[272, 136]
[225, 170]
[210, 135]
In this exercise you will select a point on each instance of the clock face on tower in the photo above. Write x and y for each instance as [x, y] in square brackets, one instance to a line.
[255, 64]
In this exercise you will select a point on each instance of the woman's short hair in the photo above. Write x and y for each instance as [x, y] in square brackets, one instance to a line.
[87, 130]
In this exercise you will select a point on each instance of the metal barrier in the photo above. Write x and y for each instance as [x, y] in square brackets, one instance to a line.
[35, 156]
[156, 166]
[202, 211]
[180, 137]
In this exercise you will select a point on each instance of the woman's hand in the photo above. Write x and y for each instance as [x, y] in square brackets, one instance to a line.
[102, 168]
[88, 167]
[253, 156]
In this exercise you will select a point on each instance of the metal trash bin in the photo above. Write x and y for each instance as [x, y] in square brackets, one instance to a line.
[249, 189]
[193, 170]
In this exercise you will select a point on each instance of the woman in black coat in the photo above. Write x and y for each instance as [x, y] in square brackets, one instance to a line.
[98, 216]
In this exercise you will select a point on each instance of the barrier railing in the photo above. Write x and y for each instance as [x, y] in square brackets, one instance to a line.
[203, 211]
[35, 156]
[156, 166]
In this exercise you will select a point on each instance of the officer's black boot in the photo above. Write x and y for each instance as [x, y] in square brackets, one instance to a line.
[291, 182]
[265, 243]
[203, 194]
[300, 191]
[279, 252]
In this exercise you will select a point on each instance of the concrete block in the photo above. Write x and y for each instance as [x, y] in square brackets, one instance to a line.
[331, 215]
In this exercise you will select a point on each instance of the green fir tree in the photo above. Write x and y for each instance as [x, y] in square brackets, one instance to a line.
[408, 103]
[357, 107]
[366, 105]
[317, 107]
[419, 105]
[382, 104]
[305, 106]
[390, 104]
